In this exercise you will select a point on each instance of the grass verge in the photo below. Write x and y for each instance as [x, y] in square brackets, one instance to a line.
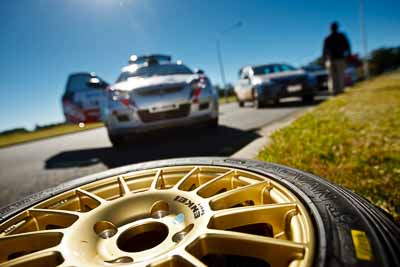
[352, 140]
[17, 138]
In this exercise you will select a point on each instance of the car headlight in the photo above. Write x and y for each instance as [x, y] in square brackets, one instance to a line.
[257, 81]
[116, 95]
[121, 96]
[263, 83]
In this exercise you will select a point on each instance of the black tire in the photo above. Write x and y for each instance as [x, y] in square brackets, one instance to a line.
[308, 98]
[274, 102]
[241, 103]
[117, 141]
[213, 123]
[335, 211]
[257, 102]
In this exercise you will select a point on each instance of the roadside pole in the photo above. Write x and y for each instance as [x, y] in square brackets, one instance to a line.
[219, 55]
[364, 39]
[221, 68]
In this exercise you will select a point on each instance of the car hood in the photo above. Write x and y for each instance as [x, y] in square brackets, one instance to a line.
[260, 79]
[318, 72]
[155, 81]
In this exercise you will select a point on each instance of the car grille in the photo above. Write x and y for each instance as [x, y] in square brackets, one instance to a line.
[204, 106]
[182, 111]
[291, 80]
[322, 78]
[159, 91]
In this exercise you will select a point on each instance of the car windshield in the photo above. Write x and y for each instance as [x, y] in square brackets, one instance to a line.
[268, 69]
[155, 70]
[313, 68]
[78, 83]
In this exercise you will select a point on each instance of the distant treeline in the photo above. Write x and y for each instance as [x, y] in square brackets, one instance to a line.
[384, 59]
[221, 90]
[14, 131]
[37, 127]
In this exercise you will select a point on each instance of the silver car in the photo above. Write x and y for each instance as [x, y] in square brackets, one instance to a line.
[266, 84]
[156, 95]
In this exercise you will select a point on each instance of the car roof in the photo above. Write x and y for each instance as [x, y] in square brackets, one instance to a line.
[147, 57]
[268, 65]
[134, 67]
[263, 65]
[83, 73]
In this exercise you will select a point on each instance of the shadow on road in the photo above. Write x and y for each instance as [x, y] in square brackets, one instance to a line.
[289, 104]
[222, 141]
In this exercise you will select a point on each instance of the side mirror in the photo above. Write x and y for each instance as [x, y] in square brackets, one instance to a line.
[199, 71]
[96, 83]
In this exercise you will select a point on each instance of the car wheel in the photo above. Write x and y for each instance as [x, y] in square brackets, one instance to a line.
[213, 123]
[258, 103]
[117, 141]
[241, 103]
[308, 98]
[274, 102]
[198, 212]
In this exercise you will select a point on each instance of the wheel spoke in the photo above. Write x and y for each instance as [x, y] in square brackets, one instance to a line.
[53, 219]
[274, 251]
[215, 185]
[53, 211]
[275, 215]
[23, 244]
[189, 179]
[47, 257]
[257, 194]
[86, 194]
[191, 260]
[158, 181]
[123, 186]
[37, 219]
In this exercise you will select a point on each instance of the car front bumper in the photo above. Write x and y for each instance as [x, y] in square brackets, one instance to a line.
[131, 121]
[283, 90]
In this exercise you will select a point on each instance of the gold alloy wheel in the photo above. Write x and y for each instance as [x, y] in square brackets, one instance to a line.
[172, 216]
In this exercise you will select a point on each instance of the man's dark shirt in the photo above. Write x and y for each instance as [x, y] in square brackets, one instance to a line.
[336, 46]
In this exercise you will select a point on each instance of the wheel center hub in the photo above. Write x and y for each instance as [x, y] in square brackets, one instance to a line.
[142, 226]
[142, 237]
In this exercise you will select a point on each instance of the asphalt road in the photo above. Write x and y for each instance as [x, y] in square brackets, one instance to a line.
[31, 167]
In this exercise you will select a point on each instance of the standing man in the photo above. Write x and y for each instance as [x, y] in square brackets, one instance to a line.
[336, 50]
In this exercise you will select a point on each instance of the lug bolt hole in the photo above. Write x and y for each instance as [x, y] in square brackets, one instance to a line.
[124, 259]
[105, 229]
[159, 209]
[179, 236]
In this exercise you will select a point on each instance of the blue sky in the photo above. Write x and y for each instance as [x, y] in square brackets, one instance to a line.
[42, 41]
